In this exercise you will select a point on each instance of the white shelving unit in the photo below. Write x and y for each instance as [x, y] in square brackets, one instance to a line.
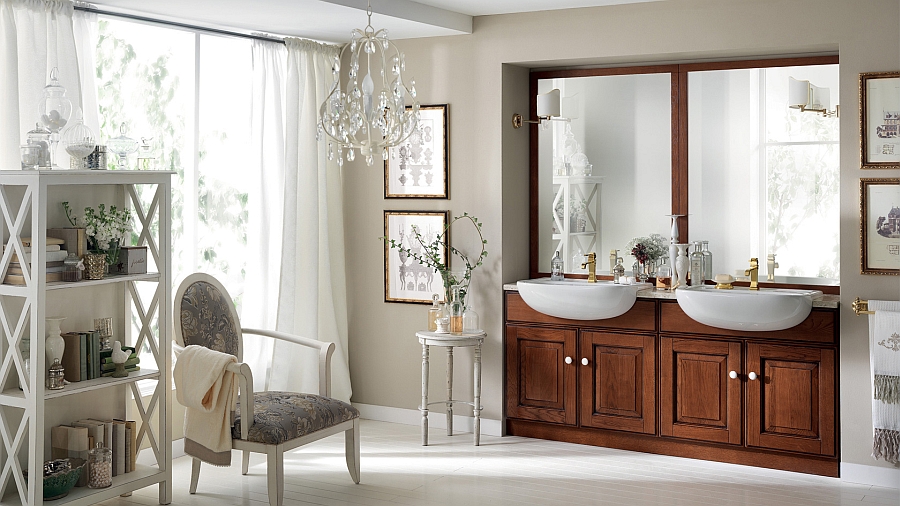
[24, 427]
[568, 236]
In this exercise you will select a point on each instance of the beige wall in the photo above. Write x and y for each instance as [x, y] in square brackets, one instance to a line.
[482, 76]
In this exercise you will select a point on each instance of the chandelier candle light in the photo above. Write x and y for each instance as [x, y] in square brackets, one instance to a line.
[364, 117]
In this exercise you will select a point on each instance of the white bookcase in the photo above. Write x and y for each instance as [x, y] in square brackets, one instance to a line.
[568, 234]
[27, 199]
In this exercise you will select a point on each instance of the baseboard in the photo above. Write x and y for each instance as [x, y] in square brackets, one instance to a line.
[489, 427]
[870, 475]
[145, 457]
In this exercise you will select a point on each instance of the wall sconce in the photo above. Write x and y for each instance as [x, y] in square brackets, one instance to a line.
[548, 109]
[810, 98]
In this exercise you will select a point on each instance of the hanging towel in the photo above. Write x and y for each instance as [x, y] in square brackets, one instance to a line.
[209, 393]
[884, 350]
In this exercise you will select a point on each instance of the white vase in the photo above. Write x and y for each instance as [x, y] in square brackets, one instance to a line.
[54, 345]
[681, 264]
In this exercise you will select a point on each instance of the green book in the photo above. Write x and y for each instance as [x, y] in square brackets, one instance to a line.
[112, 367]
[95, 352]
[85, 356]
[129, 370]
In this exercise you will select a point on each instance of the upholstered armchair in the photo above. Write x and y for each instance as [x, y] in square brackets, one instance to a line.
[278, 421]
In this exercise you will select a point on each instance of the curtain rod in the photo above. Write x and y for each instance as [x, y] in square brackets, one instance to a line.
[179, 25]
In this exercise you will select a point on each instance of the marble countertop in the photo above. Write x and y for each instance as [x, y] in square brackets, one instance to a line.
[826, 301]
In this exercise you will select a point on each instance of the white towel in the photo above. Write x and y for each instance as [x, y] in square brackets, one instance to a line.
[209, 393]
[884, 352]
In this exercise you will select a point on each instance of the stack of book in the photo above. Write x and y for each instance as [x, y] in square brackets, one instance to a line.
[74, 439]
[108, 367]
[55, 256]
[81, 357]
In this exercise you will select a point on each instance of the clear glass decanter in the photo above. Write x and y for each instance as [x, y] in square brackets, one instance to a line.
[696, 265]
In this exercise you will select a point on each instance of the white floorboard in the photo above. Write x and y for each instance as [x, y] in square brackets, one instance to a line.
[513, 471]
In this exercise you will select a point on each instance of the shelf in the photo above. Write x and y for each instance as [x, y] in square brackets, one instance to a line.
[92, 177]
[82, 386]
[22, 291]
[142, 476]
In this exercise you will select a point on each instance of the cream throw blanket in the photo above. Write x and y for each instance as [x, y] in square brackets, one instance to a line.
[884, 350]
[209, 392]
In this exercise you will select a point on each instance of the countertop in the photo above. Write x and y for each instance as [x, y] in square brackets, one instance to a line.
[825, 301]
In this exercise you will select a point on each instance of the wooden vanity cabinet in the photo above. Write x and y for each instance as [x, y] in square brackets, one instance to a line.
[540, 385]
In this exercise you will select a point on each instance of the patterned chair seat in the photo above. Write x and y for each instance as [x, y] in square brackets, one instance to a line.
[282, 416]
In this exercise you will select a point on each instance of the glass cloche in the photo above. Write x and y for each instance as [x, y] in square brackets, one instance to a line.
[79, 139]
[55, 109]
[123, 146]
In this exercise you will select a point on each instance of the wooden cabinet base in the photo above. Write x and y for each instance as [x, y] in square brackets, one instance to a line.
[678, 448]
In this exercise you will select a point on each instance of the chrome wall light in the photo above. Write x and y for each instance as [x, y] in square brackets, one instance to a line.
[548, 109]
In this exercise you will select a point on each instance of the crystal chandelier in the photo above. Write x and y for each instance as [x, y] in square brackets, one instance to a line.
[364, 117]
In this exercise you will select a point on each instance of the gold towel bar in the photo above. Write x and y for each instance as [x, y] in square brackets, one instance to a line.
[861, 307]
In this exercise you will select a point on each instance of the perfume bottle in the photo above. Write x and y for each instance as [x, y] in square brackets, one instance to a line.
[664, 275]
[613, 258]
[696, 265]
[470, 320]
[618, 271]
[556, 268]
[707, 260]
[434, 312]
[456, 311]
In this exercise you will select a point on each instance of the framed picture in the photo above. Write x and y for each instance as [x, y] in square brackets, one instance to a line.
[420, 167]
[880, 227]
[879, 119]
[405, 279]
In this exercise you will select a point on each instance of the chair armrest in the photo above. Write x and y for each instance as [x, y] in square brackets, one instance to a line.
[245, 394]
[325, 350]
[177, 349]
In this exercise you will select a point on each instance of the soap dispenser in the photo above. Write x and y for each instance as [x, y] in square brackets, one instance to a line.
[556, 268]
[434, 312]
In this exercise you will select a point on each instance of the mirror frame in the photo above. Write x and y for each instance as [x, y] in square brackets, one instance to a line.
[679, 180]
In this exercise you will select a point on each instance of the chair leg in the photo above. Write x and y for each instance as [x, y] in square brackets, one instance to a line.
[195, 475]
[275, 474]
[351, 448]
[245, 462]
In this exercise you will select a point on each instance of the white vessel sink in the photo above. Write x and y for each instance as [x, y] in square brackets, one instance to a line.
[576, 299]
[743, 309]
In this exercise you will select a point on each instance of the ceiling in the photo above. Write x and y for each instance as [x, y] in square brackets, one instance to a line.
[333, 20]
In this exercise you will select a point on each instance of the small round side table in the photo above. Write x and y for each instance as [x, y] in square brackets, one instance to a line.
[450, 341]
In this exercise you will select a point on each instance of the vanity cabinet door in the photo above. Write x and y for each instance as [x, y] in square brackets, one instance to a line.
[540, 385]
[790, 404]
[618, 381]
[698, 398]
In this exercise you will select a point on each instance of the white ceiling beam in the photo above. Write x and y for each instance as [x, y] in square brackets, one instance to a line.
[414, 11]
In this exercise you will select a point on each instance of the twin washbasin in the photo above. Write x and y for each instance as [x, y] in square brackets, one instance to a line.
[737, 309]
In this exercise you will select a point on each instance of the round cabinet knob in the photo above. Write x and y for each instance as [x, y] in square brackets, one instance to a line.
[584, 361]
[752, 376]
[732, 375]
[568, 360]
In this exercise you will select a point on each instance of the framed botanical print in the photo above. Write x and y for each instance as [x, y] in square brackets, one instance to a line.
[420, 166]
[405, 279]
[879, 120]
[880, 227]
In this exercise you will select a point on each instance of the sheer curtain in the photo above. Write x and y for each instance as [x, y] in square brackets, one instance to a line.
[300, 191]
[35, 36]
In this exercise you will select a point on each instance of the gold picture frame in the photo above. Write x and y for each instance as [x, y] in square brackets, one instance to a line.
[419, 167]
[405, 280]
[879, 120]
[879, 207]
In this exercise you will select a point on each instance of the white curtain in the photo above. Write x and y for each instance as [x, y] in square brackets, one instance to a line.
[299, 225]
[35, 37]
[85, 29]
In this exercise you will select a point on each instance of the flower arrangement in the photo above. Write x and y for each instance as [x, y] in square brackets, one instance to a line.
[106, 229]
[651, 248]
[428, 253]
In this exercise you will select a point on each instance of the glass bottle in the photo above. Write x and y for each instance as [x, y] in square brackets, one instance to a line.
[618, 270]
[707, 261]
[99, 467]
[73, 267]
[556, 268]
[456, 311]
[696, 265]
[434, 312]
[664, 275]
[470, 320]
[25, 346]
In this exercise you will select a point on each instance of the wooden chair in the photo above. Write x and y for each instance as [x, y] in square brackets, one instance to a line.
[280, 421]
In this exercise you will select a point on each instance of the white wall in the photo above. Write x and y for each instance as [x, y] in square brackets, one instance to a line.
[477, 76]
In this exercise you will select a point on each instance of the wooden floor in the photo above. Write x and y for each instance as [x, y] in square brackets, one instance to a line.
[513, 471]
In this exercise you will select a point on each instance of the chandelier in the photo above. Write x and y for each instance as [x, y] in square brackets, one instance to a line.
[363, 117]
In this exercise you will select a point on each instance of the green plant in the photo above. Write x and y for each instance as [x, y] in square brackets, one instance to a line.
[430, 255]
[106, 229]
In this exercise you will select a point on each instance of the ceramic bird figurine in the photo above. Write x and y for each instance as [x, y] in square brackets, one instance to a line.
[119, 357]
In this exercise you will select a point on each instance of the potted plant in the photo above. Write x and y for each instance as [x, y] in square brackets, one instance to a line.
[106, 229]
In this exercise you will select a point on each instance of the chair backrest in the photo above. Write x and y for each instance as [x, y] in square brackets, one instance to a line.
[205, 316]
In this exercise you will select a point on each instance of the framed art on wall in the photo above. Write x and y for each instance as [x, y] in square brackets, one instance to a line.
[879, 120]
[880, 225]
[420, 166]
[405, 279]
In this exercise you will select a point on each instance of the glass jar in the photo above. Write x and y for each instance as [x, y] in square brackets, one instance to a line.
[40, 137]
[72, 268]
[470, 320]
[31, 156]
[56, 375]
[664, 275]
[100, 467]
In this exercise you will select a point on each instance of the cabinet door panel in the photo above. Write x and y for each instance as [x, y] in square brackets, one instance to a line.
[539, 384]
[791, 404]
[698, 399]
[618, 385]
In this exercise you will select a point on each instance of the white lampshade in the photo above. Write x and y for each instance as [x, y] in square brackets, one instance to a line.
[798, 93]
[820, 98]
[548, 104]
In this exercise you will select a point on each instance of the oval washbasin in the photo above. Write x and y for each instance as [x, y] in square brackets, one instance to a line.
[576, 299]
[743, 309]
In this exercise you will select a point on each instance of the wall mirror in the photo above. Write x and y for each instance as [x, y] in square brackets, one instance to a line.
[604, 169]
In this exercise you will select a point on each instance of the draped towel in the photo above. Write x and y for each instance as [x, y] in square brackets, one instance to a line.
[884, 350]
[209, 393]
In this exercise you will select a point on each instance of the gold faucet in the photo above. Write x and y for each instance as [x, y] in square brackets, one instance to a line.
[591, 266]
[753, 272]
